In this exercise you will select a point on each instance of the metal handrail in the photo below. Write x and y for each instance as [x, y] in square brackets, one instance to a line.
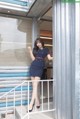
[20, 85]
[14, 96]
[12, 89]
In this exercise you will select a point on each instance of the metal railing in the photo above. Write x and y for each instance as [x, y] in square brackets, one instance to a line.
[46, 94]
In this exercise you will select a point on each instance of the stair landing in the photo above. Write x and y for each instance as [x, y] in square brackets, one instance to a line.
[36, 113]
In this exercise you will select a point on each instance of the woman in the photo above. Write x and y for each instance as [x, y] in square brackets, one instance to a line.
[38, 56]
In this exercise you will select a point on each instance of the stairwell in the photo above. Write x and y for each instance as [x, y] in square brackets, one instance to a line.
[10, 77]
[15, 94]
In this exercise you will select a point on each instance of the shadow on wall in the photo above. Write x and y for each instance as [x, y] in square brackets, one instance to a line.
[22, 55]
[24, 26]
[14, 43]
[15, 56]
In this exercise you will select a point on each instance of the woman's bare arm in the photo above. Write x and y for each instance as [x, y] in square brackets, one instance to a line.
[31, 54]
[49, 57]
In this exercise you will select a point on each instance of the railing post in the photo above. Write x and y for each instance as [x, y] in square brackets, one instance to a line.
[48, 94]
[21, 101]
[42, 93]
[27, 114]
[28, 99]
[14, 103]
[6, 106]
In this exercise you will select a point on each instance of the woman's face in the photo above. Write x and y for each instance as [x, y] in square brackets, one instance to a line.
[39, 44]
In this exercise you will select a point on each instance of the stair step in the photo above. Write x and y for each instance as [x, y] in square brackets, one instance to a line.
[8, 111]
[17, 89]
[16, 93]
[33, 114]
[11, 84]
[11, 103]
[13, 78]
[8, 116]
[38, 116]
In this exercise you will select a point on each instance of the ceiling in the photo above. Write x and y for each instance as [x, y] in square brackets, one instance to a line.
[40, 9]
[46, 21]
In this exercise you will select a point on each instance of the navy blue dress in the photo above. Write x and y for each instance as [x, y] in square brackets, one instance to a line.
[37, 66]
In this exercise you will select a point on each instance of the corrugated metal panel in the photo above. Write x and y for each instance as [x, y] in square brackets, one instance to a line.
[64, 57]
[77, 61]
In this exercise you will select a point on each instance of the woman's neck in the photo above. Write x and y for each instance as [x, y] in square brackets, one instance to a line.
[41, 48]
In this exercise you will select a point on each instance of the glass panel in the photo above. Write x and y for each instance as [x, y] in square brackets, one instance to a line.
[22, 5]
[15, 36]
[18, 2]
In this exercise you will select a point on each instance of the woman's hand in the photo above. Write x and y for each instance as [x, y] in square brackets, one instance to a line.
[49, 57]
[29, 48]
[31, 54]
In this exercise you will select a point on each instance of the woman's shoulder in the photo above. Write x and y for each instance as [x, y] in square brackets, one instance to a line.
[46, 49]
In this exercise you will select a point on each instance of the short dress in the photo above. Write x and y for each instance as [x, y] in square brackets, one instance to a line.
[37, 66]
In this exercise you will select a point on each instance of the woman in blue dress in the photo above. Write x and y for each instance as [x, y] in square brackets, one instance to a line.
[38, 56]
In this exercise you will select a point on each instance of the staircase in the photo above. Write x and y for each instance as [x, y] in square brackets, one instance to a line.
[15, 95]
[36, 113]
[10, 77]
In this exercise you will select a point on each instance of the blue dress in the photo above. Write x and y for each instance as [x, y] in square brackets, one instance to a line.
[37, 66]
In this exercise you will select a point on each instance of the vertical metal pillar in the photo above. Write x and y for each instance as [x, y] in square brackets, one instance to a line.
[35, 30]
[64, 57]
[77, 61]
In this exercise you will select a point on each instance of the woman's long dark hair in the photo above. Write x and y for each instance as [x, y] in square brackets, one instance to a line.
[36, 48]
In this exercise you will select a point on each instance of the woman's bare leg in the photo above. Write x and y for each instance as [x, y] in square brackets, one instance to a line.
[33, 97]
[35, 82]
[37, 79]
